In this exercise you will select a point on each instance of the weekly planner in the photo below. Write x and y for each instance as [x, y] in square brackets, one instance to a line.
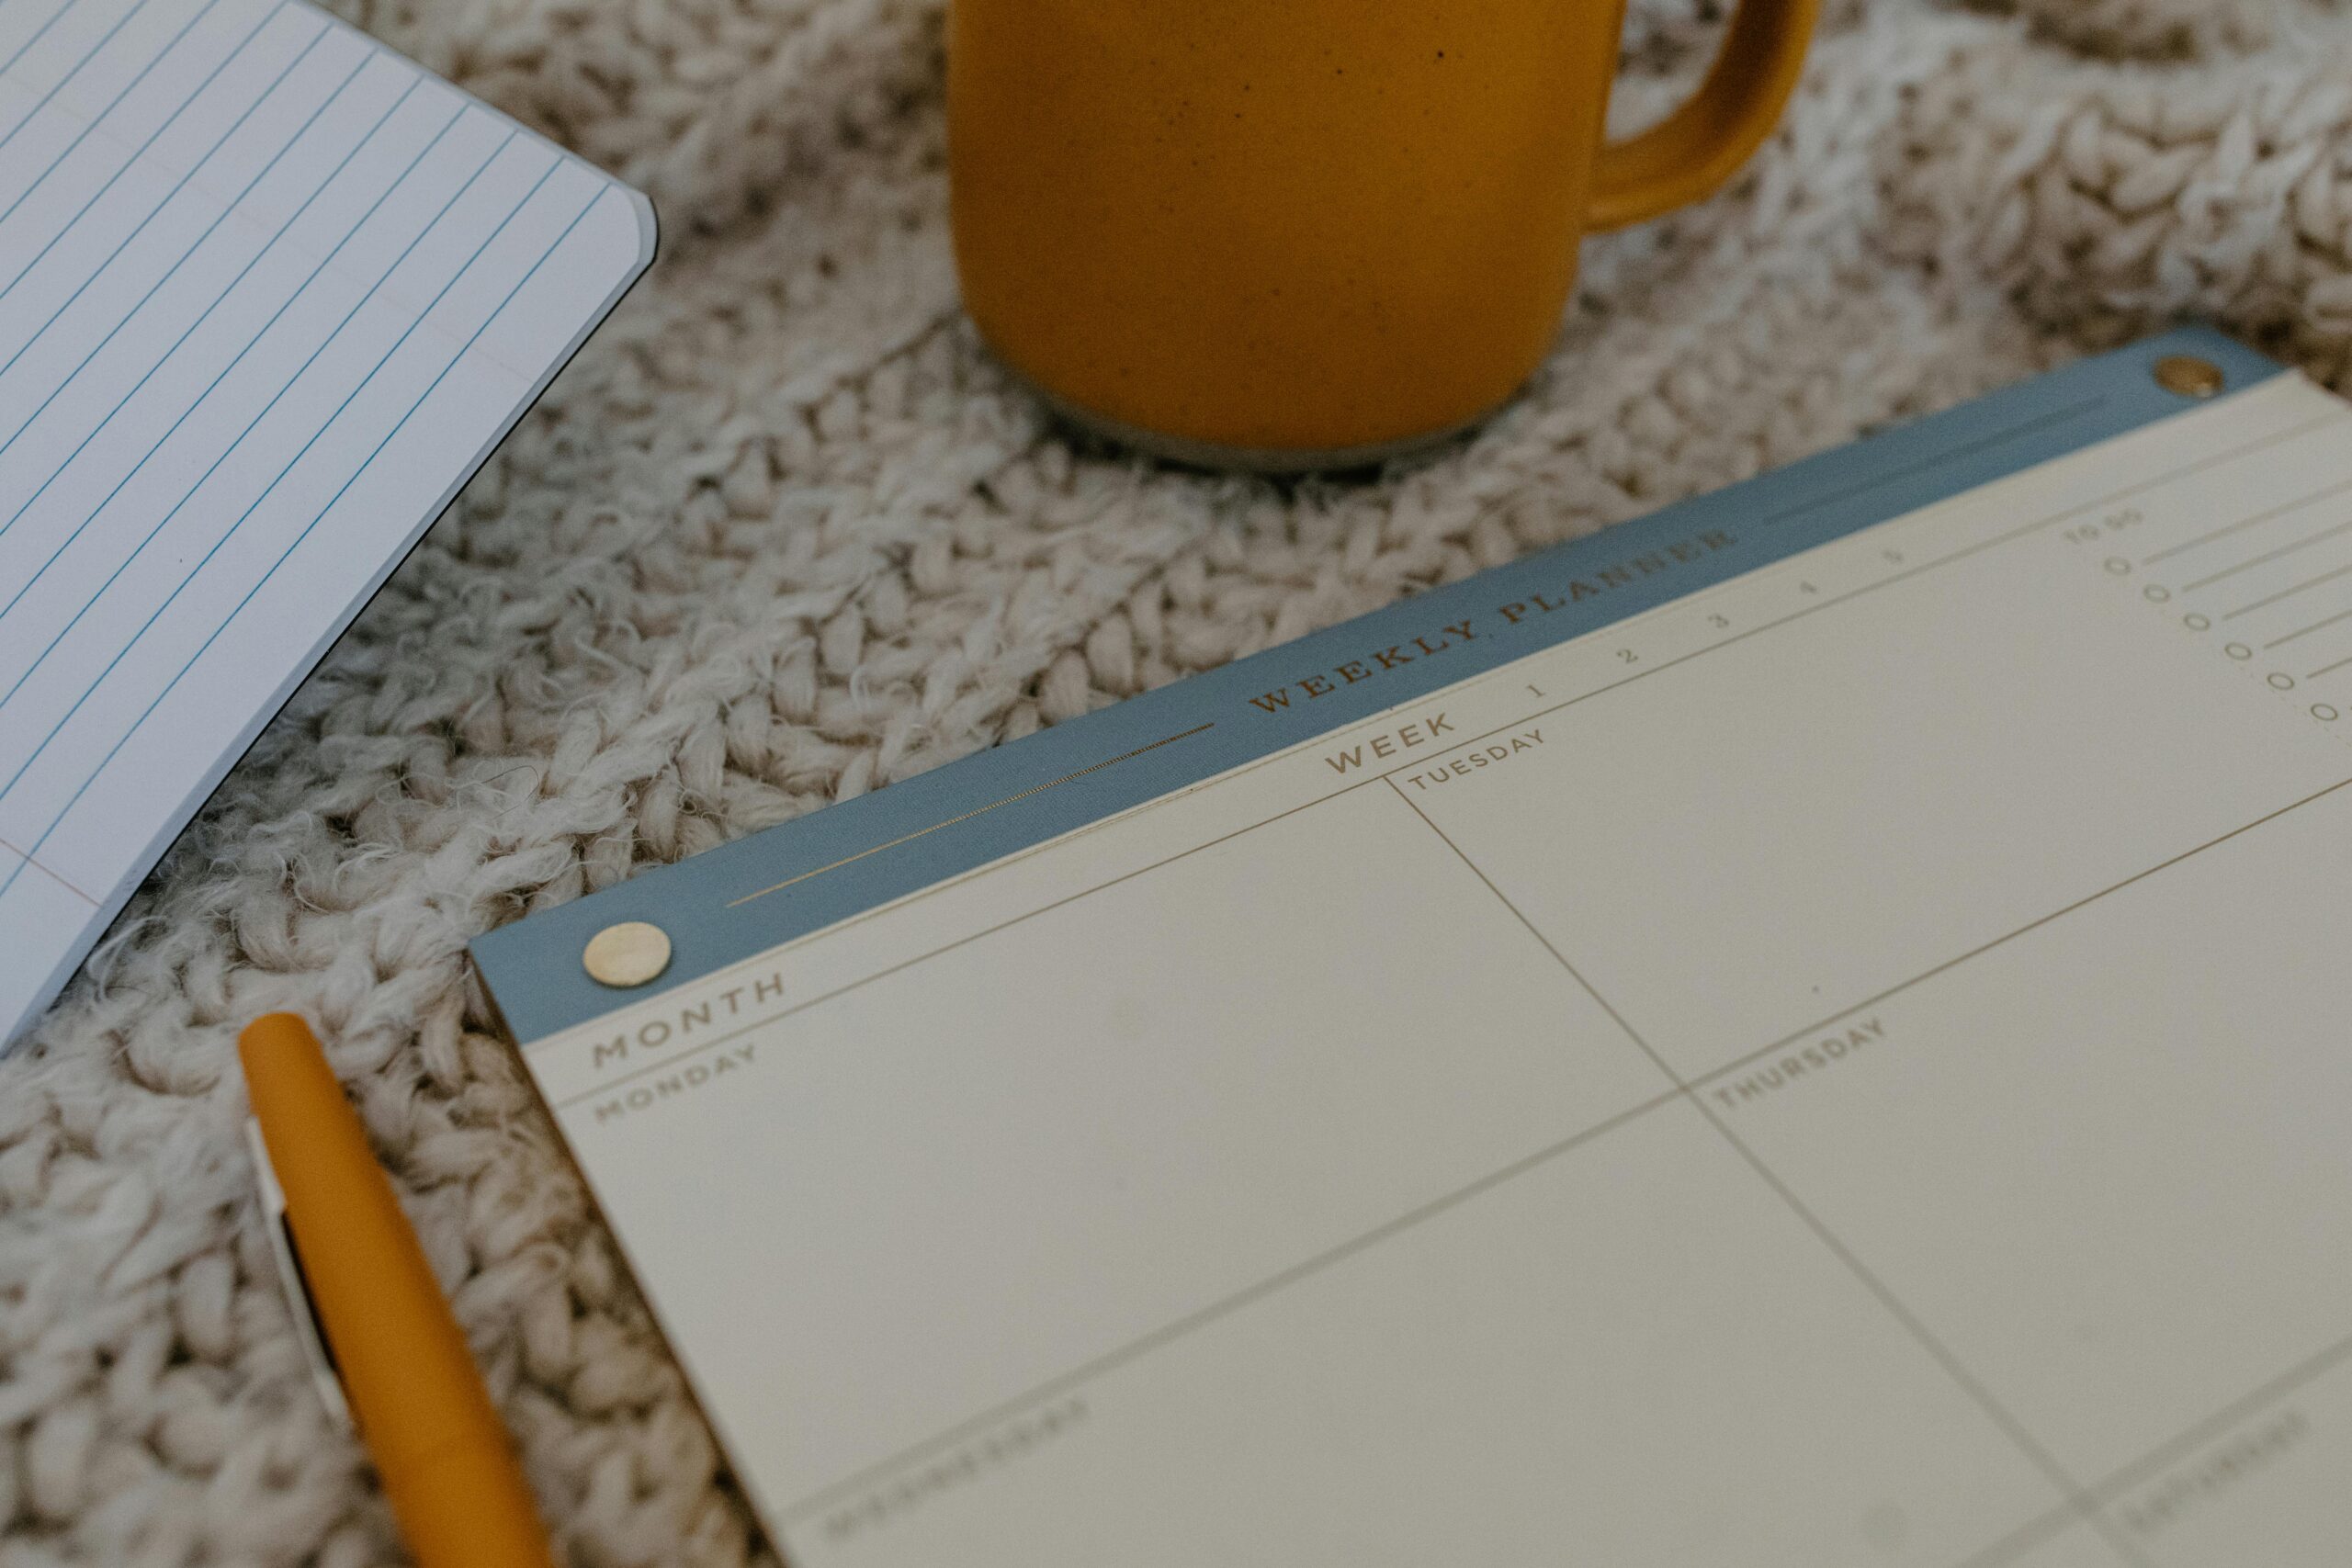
[1807, 1029]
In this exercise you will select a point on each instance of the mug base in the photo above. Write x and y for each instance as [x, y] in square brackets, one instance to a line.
[1269, 460]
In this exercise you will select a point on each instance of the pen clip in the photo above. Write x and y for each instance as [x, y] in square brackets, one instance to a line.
[307, 1328]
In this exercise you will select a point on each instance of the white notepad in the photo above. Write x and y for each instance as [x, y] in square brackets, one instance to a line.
[269, 294]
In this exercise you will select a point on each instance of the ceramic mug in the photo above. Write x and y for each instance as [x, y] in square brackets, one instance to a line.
[1304, 233]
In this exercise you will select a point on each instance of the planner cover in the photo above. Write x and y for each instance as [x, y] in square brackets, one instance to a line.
[1809, 1028]
[269, 294]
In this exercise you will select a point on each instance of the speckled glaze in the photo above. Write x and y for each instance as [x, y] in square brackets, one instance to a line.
[1271, 232]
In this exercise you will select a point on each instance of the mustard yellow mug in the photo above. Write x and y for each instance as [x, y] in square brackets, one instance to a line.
[1291, 234]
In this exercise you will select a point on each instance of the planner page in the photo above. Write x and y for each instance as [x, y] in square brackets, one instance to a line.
[1839, 1058]
[268, 295]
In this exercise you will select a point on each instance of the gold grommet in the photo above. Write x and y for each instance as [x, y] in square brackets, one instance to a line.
[2188, 376]
[626, 955]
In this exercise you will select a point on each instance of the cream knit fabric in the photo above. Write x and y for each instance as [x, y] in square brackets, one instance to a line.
[783, 535]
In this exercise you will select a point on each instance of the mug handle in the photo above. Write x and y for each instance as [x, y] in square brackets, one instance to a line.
[1702, 144]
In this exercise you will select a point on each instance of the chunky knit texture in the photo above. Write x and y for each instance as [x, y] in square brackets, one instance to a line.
[783, 533]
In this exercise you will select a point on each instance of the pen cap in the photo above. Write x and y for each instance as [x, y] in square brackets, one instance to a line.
[404, 1365]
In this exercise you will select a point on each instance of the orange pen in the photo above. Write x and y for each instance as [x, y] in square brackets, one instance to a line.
[446, 1463]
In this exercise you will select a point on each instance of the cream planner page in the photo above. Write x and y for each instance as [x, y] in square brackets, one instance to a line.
[1848, 1063]
[269, 294]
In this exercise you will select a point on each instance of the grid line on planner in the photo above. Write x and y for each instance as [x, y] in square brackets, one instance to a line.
[140, 151]
[166, 200]
[124, 92]
[833, 1492]
[766, 1019]
[2112, 1487]
[227, 452]
[266, 249]
[2181, 1445]
[1974, 1387]
[2083, 1501]
[2084, 1505]
[1715, 1075]
[532, 271]
[2024, 1537]
[59, 86]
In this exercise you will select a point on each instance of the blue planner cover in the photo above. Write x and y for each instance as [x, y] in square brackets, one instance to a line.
[749, 895]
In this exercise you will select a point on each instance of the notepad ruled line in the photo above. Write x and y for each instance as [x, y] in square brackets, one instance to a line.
[173, 271]
[23, 860]
[365, 381]
[111, 104]
[84, 285]
[99, 193]
[233, 447]
[529, 273]
[59, 86]
[39, 33]
[267, 301]
[266, 249]
[279, 477]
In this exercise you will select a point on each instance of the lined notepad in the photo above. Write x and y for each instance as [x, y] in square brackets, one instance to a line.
[269, 294]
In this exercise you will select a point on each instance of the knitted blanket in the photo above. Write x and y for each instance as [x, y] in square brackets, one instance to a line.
[783, 533]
